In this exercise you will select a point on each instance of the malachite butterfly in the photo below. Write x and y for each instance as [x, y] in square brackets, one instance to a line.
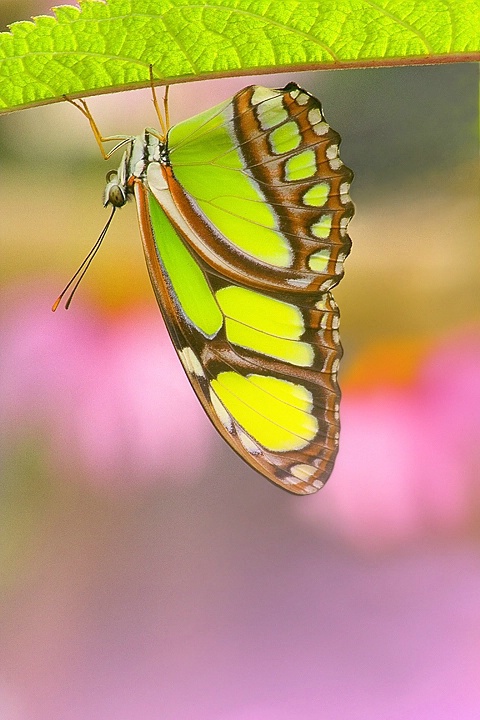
[243, 212]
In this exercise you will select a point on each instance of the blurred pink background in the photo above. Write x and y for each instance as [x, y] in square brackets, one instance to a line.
[145, 571]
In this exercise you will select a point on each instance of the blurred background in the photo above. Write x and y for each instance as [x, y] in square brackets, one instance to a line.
[145, 571]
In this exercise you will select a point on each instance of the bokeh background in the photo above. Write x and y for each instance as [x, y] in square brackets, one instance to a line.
[145, 571]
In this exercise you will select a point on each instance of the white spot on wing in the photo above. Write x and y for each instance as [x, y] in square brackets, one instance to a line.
[247, 442]
[289, 480]
[332, 151]
[221, 411]
[303, 471]
[302, 98]
[191, 362]
[321, 128]
[314, 116]
[344, 193]
[339, 264]
[336, 163]
[343, 225]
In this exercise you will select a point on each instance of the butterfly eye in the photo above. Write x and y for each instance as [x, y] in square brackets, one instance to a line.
[115, 195]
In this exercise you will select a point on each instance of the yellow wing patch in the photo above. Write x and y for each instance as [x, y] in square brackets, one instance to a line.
[276, 413]
[265, 325]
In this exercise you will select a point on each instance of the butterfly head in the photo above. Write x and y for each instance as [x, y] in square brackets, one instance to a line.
[140, 151]
[116, 190]
[115, 193]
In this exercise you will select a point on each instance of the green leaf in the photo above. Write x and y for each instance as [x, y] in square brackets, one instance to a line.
[109, 46]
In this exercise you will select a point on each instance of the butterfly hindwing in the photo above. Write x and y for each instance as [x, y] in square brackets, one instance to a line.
[244, 229]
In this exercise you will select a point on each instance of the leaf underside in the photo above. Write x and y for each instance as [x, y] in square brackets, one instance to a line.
[106, 46]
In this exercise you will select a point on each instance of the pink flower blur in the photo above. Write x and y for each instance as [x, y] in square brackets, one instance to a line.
[409, 460]
[105, 397]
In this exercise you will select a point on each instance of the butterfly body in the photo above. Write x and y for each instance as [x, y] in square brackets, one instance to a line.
[243, 212]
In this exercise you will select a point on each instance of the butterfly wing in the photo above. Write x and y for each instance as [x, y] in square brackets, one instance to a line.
[244, 230]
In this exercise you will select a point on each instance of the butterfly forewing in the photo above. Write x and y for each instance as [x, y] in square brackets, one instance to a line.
[244, 229]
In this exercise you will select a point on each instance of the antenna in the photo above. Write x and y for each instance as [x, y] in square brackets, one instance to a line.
[79, 275]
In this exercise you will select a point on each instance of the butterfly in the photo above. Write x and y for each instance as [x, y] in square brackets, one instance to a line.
[243, 212]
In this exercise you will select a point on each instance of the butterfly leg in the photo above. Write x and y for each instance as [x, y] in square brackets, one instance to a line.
[84, 109]
[163, 119]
